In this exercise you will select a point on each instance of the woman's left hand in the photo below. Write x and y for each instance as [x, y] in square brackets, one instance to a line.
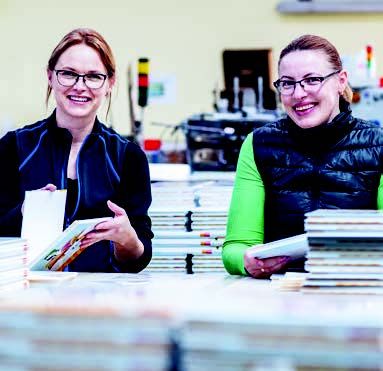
[120, 231]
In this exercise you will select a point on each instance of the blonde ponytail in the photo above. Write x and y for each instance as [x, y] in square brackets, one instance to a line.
[347, 94]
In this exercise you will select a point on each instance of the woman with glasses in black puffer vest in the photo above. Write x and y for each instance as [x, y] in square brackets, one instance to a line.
[318, 157]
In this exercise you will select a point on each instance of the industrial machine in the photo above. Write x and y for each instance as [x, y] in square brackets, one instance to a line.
[246, 102]
[214, 140]
[368, 104]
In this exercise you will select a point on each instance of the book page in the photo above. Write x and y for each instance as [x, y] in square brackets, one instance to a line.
[43, 219]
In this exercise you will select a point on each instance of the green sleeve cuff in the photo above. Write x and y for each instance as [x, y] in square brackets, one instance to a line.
[232, 255]
[380, 194]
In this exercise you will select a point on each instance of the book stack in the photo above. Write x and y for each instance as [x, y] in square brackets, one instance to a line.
[208, 218]
[189, 221]
[170, 195]
[177, 205]
[83, 329]
[214, 194]
[173, 220]
[282, 332]
[207, 263]
[345, 251]
[13, 264]
[171, 202]
[290, 281]
[187, 252]
[194, 219]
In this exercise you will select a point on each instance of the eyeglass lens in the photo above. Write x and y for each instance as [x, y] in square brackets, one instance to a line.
[91, 80]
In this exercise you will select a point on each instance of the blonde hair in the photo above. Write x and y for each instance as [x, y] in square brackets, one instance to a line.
[313, 42]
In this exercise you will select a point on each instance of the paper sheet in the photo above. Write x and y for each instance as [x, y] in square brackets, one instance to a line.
[43, 219]
[294, 247]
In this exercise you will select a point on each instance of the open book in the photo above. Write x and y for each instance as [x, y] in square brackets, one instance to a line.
[66, 247]
[295, 247]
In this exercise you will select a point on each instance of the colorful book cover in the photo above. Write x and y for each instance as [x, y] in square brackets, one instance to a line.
[64, 249]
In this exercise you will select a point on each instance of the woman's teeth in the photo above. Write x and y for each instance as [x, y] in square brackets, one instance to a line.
[305, 107]
[79, 99]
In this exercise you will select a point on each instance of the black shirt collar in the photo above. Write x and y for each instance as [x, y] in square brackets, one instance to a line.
[52, 126]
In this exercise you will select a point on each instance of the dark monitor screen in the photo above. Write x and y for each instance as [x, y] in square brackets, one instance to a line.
[248, 65]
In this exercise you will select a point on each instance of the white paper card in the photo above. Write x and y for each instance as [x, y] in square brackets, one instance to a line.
[295, 247]
[43, 219]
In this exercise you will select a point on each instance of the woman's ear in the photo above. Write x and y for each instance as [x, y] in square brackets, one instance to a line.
[49, 76]
[112, 81]
[343, 81]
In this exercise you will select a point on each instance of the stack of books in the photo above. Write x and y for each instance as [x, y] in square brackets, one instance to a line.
[213, 194]
[180, 198]
[208, 218]
[189, 221]
[290, 281]
[187, 252]
[83, 329]
[282, 332]
[13, 264]
[170, 206]
[345, 251]
[169, 195]
[170, 220]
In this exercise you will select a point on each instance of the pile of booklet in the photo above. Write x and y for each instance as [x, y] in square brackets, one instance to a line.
[214, 194]
[168, 195]
[282, 332]
[346, 251]
[189, 221]
[208, 218]
[187, 252]
[174, 220]
[79, 328]
[190, 205]
[173, 195]
[13, 264]
[192, 219]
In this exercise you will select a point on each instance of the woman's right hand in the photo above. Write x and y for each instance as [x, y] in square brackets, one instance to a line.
[49, 187]
[264, 268]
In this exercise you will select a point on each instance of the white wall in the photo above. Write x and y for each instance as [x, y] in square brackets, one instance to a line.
[181, 38]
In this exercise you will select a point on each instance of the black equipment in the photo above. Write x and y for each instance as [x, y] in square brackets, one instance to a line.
[214, 141]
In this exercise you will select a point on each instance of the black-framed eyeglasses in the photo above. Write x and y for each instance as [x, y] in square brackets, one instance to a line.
[309, 84]
[70, 78]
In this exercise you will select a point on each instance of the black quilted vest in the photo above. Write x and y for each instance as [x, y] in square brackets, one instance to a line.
[334, 165]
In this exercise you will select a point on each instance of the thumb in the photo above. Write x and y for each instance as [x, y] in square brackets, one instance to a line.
[118, 211]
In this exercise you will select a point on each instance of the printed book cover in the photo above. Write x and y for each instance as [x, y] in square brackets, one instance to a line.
[64, 249]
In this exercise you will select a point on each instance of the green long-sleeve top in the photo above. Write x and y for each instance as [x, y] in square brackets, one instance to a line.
[245, 225]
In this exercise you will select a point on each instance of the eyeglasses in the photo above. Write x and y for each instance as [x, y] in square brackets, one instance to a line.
[70, 78]
[309, 84]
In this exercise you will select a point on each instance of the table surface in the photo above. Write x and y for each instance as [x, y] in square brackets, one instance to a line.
[213, 295]
[220, 321]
